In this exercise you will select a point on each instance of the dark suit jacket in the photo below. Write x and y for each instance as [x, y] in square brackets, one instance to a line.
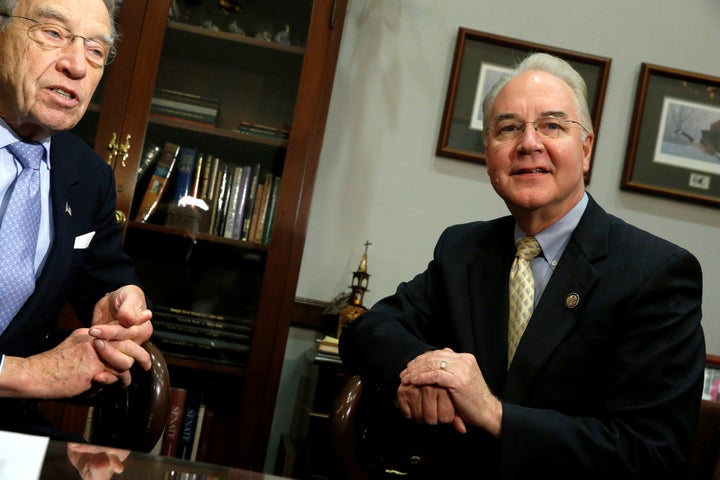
[82, 189]
[607, 388]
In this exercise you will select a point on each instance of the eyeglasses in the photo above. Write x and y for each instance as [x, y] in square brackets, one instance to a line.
[508, 130]
[51, 36]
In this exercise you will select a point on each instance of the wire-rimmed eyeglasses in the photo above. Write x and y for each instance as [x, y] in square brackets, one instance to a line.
[50, 36]
[508, 130]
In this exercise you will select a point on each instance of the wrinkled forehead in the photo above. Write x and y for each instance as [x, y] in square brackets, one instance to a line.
[534, 93]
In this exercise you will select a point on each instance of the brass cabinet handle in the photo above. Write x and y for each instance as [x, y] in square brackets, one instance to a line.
[115, 148]
[120, 217]
[112, 149]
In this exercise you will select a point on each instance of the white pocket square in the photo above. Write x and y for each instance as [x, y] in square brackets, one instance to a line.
[83, 241]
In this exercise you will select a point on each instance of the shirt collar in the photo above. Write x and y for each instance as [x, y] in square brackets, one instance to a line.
[8, 136]
[555, 238]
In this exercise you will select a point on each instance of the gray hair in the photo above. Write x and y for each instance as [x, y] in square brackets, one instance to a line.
[9, 6]
[554, 66]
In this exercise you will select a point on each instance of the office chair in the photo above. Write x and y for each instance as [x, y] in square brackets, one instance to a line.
[354, 459]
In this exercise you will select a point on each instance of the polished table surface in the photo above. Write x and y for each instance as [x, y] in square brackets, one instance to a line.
[87, 462]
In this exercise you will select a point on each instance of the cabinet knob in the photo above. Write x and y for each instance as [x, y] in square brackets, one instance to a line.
[112, 149]
[124, 149]
[120, 217]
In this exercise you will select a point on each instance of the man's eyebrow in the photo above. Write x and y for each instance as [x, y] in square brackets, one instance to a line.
[47, 13]
[506, 116]
[554, 113]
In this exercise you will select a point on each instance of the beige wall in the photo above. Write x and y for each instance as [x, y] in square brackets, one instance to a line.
[379, 177]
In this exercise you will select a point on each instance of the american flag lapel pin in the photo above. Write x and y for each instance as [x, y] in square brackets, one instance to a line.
[68, 210]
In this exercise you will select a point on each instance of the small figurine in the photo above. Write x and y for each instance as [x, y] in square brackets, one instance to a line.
[283, 36]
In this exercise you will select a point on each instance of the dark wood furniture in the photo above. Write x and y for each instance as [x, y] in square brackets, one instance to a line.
[257, 81]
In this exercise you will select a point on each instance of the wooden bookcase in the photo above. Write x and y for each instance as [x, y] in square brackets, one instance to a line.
[257, 81]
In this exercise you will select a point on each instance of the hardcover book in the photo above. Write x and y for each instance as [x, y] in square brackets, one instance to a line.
[158, 181]
[171, 436]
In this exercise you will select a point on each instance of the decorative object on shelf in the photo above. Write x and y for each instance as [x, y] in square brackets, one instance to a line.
[674, 142]
[354, 307]
[481, 59]
[283, 36]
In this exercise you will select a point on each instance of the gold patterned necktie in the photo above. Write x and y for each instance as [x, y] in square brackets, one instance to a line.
[522, 292]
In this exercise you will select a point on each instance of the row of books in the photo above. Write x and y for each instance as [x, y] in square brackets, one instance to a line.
[184, 106]
[205, 337]
[189, 426]
[234, 201]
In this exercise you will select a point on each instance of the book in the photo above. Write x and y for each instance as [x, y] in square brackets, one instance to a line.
[214, 193]
[206, 435]
[232, 212]
[186, 115]
[203, 345]
[223, 199]
[272, 208]
[168, 324]
[209, 320]
[174, 422]
[198, 432]
[149, 156]
[189, 424]
[185, 169]
[328, 345]
[250, 203]
[256, 211]
[159, 180]
[244, 191]
[262, 211]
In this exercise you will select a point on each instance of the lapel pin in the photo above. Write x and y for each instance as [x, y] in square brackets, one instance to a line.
[68, 210]
[572, 300]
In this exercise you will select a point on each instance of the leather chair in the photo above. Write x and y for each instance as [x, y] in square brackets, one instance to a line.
[350, 432]
[132, 417]
[705, 454]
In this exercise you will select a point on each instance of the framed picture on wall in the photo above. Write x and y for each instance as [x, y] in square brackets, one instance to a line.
[711, 385]
[674, 142]
[480, 60]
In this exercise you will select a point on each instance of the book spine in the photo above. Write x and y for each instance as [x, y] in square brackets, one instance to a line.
[174, 422]
[198, 432]
[262, 212]
[183, 114]
[206, 435]
[183, 107]
[158, 181]
[189, 424]
[256, 211]
[200, 330]
[250, 204]
[223, 192]
[272, 209]
[241, 201]
[185, 169]
[150, 154]
[232, 202]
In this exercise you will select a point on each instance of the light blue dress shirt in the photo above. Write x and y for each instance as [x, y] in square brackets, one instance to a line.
[553, 241]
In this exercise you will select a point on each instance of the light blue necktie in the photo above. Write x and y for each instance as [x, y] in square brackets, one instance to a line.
[19, 233]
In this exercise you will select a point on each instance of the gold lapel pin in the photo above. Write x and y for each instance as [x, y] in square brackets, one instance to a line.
[572, 300]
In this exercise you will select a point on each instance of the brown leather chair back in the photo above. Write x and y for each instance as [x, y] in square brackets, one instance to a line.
[704, 461]
[134, 417]
[349, 433]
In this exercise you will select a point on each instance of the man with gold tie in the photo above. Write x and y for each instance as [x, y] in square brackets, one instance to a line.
[558, 342]
[59, 241]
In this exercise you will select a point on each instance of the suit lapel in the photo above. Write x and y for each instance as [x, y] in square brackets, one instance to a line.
[488, 302]
[562, 302]
[64, 175]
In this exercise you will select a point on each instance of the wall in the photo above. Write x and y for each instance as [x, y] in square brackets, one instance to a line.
[380, 180]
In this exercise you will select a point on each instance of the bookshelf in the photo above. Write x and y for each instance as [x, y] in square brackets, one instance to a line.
[241, 80]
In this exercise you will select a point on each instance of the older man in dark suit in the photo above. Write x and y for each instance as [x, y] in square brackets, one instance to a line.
[52, 56]
[604, 379]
